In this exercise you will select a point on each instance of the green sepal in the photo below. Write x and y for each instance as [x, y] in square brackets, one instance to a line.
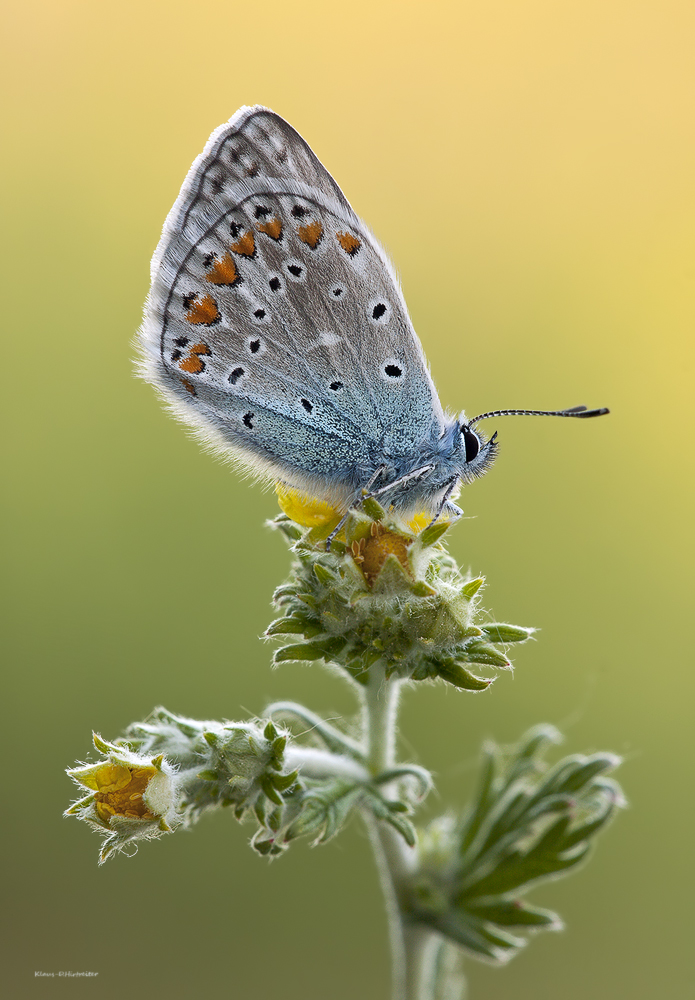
[471, 588]
[373, 509]
[454, 673]
[299, 651]
[478, 651]
[284, 781]
[78, 806]
[288, 527]
[324, 575]
[358, 526]
[263, 845]
[269, 790]
[432, 533]
[292, 625]
[393, 578]
[498, 632]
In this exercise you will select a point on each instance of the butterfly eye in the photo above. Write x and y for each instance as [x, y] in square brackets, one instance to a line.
[471, 442]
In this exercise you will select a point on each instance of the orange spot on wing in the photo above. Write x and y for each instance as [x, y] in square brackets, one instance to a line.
[245, 245]
[192, 363]
[203, 310]
[349, 243]
[311, 234]
[272, 228]
[188, 386]
[223, 272]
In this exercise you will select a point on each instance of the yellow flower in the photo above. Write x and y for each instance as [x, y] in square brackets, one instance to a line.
[371, 553]
[308, 511]
[125, 786]
[311, 512]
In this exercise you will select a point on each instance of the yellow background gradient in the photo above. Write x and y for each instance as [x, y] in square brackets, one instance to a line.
[529, 166]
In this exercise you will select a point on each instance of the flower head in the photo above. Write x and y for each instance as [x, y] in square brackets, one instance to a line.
[131, 797]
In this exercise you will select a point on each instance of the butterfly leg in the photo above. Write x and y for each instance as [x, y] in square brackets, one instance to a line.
[366, 492]
[361, 495]
[446, 504]
[415, 474]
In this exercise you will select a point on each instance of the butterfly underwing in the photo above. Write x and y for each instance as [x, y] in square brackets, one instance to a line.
[276, 328]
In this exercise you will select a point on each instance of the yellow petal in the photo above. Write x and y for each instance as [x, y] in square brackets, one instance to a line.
[419, 522]
[311, 512]
[305, 510]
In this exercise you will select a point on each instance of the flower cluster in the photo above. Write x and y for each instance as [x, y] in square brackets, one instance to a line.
[386, 594]
[382, 605]
[167, 770]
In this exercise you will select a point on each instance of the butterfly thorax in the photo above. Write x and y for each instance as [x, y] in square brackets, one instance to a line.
[421, 477]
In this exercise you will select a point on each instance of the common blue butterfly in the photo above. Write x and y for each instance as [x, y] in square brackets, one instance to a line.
[275, 326]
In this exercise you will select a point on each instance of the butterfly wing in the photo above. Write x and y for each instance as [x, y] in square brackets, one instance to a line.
[275, 324]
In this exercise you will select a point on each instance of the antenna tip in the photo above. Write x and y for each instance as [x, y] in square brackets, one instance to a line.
[593, 413]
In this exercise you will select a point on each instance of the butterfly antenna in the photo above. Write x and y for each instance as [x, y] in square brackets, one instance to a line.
[574, 411]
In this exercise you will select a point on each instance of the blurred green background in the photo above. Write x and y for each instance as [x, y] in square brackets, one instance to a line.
[529, 166]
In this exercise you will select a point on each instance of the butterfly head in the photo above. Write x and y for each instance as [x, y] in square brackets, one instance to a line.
[476, 452]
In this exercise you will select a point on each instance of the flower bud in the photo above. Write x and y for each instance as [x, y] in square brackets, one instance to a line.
[133, 797]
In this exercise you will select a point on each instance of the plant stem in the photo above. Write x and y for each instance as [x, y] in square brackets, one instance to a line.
[412, 950]
[315, 763]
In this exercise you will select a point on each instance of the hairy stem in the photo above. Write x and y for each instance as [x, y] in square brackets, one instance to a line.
[412, 954]
[315, 763]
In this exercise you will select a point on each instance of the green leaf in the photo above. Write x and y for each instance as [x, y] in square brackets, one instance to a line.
[403, 825]
[525, 756]
[476, 937]
[589, 769]
[513, 913]
[483, 799]
[586, 830]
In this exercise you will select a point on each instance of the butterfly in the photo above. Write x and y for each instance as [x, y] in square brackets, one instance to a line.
[275, 327]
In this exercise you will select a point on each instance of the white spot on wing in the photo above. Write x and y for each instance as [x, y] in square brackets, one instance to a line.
[329, 339]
